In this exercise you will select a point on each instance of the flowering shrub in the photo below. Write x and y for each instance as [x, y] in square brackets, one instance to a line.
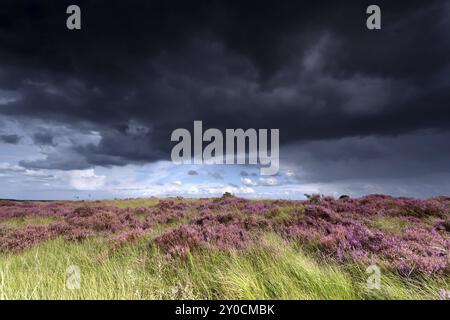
[220, 230]
[25, 237]
[444, 294]
[186, 238]
[127, 236]
[345, 230]
[78, 223]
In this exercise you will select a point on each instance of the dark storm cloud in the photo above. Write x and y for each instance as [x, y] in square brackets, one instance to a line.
[138, 70]
[10, 138]
[418, 154]
[43, 138]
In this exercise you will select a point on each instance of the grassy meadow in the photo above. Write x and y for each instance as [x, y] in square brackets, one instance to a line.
[225, 248]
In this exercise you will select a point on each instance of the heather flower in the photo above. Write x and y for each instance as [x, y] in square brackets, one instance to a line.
[78, 223]
[341, 229]
[444, 294]
[181, 240]
[186, 238]
[127, 236]
[77, 234]
[24, 238]
[258, 208]
[3, 230]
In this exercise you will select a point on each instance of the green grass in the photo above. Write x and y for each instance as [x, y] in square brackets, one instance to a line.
[130, 203]
[390, 224]
[287, 213]
[273, 270]
[15, 223]
[138, 202]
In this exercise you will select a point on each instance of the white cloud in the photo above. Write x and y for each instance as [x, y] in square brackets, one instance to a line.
[290, 173]
[86, 180]
[7, 167]
[268, 181]
[248, 182]
[222, 189]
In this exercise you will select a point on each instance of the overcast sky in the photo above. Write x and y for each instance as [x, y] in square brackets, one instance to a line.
[89, 113]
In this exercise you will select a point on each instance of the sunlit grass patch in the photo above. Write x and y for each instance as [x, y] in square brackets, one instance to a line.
[132, 203]
[287, 213]
[14, 223]
[390, 224]
[141, 202]
[273, 269]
